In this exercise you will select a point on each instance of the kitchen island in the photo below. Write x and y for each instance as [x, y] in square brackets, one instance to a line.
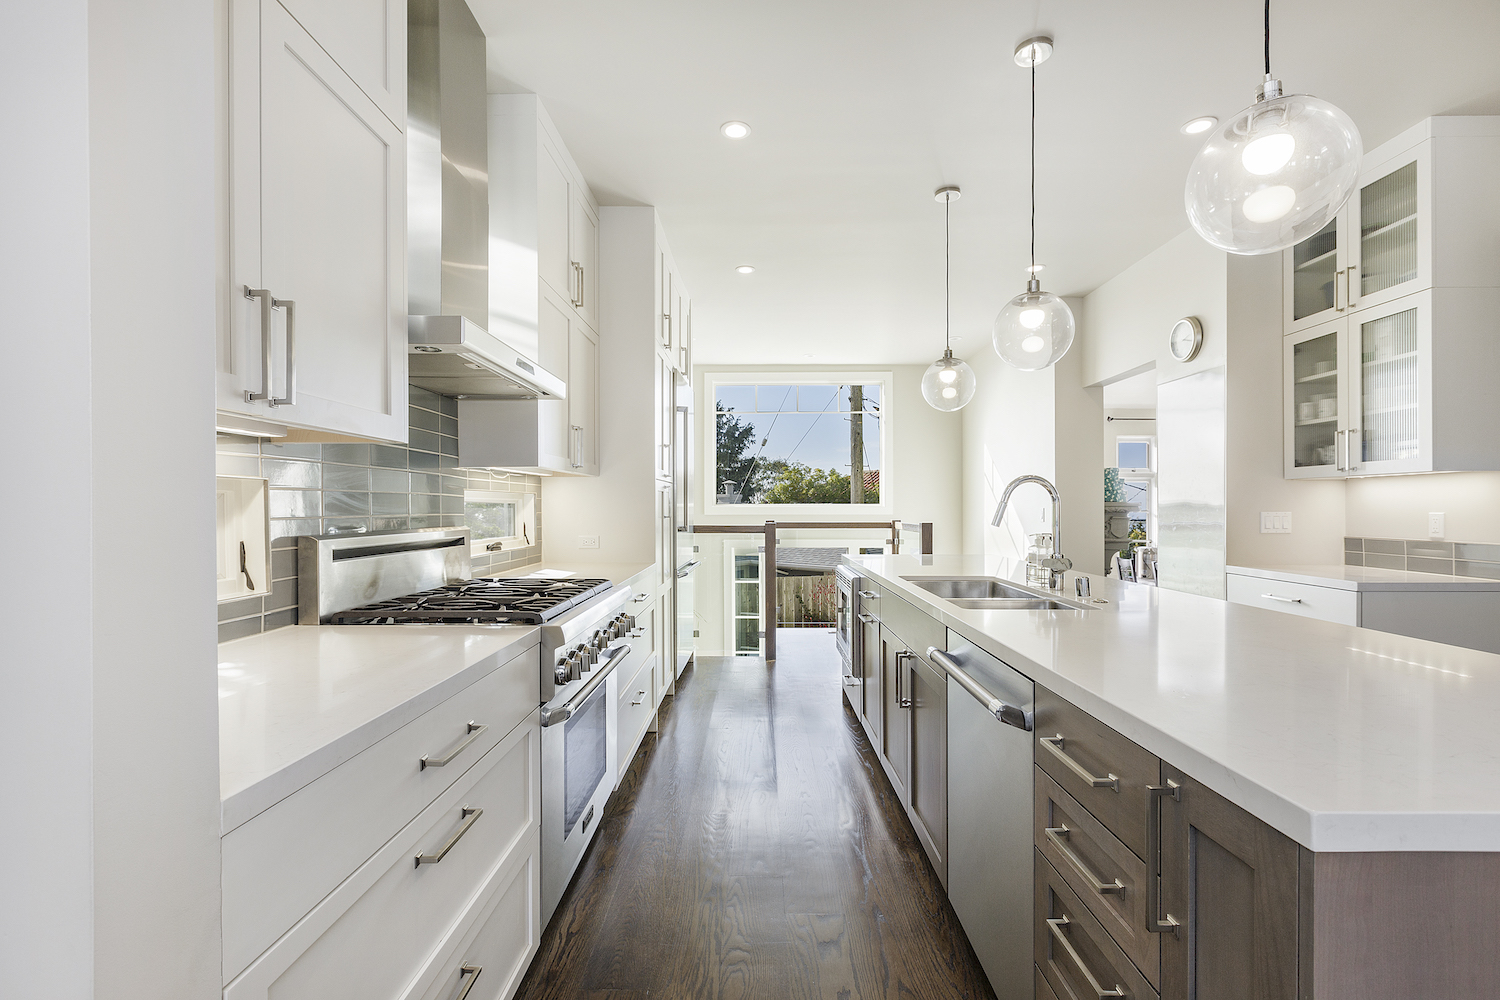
[1228, 801]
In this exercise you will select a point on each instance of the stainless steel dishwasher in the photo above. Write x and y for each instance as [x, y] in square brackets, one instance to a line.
[990, 714]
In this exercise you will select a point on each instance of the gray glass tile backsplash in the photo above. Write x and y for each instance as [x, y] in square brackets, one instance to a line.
[1425, 555]
[323, 488]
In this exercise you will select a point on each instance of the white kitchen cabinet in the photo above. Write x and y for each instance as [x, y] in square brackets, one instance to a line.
[665, 395]
[551, 436]
[583, 248]
[314, 332]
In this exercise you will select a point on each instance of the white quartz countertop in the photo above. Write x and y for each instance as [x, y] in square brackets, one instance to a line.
[616, 572]
[296, 702]
[1365, 578]
[1343, 738]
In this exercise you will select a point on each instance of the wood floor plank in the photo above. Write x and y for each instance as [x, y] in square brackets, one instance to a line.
[755, 849]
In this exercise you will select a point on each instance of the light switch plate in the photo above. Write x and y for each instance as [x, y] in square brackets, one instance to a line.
[588, 541]
[1435, 526]
[1275, 522]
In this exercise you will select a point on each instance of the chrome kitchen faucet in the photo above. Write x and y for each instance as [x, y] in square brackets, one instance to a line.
[1057, 563]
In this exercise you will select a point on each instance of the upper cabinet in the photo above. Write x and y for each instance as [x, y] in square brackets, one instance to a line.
[313, 334]
[1393, 314]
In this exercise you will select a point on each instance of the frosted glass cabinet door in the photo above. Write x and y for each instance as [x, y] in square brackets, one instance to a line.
[1392, 392]
[1316, 394]
[1312, 273]
[1391, 229]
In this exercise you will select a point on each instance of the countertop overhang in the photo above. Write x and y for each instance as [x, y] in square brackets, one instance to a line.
[1343, 738]
[1365, 578]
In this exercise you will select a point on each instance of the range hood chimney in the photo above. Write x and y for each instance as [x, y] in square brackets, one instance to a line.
[448, 216]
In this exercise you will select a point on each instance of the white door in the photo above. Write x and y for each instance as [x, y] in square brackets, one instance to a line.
[554, 197]
[1315, 392]
[318, 182]
[583, 399]
[585, 263]
[1391, 349]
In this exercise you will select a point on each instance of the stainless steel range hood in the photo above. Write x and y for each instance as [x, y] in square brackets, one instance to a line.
[448, 216]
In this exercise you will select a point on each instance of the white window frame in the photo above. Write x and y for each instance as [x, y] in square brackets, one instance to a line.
[1146, 475]
[762, 512]
[525, 519]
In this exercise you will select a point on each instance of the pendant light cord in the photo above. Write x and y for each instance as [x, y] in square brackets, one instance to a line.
[947, 281]
[1033, 165]
[1268, 37]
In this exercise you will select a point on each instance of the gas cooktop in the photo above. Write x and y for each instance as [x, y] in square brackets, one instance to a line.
[481, 601]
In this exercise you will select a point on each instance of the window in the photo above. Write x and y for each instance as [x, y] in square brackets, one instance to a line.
[499, 520]
[745, 604]
[1136, 460]
[799, 442]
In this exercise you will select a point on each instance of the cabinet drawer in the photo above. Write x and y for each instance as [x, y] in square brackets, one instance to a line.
[496, 943]
[375, 932]
[1103, 770]
[279, 864]
[1043, 988]
[1325, 603]
[1072, 947]
[867, 599]
[1102, 871]
[636, 708]
[917, 630]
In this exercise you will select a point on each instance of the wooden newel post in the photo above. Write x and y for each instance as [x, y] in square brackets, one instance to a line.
[769, 595]
[927, 538]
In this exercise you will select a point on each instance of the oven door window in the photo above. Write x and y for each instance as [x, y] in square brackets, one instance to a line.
[585, 757]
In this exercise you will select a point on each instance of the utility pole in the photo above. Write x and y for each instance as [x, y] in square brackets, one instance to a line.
[856, 444]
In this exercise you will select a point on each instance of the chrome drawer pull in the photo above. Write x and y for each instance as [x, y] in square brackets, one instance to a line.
[641, 697]
[472, 972]
[1055, 744]
[475, 731]
[868, 619]
[1155, 922]
[869, 595]
[1060, 839]
[1057, 926]
[1285, 600]
[471, 815]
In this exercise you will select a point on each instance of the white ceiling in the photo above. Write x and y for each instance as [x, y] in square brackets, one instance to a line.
[861, 109]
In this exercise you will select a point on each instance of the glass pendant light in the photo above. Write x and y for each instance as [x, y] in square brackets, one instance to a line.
[1035, 329]
[1275, 173]
[948, 384]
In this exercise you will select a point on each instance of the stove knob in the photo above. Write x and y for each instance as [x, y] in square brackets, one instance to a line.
[560, 675]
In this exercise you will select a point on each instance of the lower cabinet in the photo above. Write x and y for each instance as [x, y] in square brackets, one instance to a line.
[1076, 955]
[895, 738]
[456, 887]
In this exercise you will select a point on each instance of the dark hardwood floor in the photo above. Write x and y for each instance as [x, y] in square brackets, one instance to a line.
[756, 849]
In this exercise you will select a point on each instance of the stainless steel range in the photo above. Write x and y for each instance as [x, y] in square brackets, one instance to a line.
[424, 578]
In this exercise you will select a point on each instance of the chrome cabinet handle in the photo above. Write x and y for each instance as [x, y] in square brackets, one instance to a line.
[1349, 439]
[1055, 744]
[471, 816]
[472, 972]
[264, 295]
[1003, 712]
[904, 701]
[576, 458]
[869, 595]
[687, 568]
[1156, 922]
[290, 398]
[1284, 600]
[868, 618]
[474, 731]
[1340, 301]
[1349, 294]
[1058, 925]
[640, 697]
[1060, 839]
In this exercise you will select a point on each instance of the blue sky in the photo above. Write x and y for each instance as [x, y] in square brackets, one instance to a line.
[808, 423]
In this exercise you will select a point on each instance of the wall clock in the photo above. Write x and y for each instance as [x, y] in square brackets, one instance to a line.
[1186, 339]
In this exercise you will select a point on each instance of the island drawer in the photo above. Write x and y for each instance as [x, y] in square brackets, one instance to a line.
[277, 865]
[868, 597]
[381, 926]
[1328, 604]
[1107, 773]
[1104, 873]
[1043, 988]
[1078, 958]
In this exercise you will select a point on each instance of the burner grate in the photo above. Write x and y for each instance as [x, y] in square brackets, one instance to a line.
[482, 601]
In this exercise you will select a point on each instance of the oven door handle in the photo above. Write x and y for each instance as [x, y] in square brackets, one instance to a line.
[551, 716]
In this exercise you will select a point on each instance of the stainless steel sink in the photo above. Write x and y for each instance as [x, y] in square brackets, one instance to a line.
[989, 594]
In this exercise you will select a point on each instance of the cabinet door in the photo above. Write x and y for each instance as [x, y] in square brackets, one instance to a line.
[584, 246]
[1314, 272]
[1230, 881]
[895, 723]
[1315, 392]
[583, 398]
[685, 345]
[1390, 232]
[1391, 348]
[666, 416]
[554, 204]
[367, 38]
[927, 791]
[869, 665]
[318, 211]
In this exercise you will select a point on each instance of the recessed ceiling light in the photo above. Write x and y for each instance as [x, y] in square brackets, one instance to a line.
[745, 269]
[1198, 125]
[1034, 51]
[735, 130]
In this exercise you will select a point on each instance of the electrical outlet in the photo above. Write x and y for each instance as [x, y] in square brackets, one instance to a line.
[1435, 526]
[1275, 522]
[588, 541]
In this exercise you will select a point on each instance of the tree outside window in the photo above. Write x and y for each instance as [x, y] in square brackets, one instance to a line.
[798, 444]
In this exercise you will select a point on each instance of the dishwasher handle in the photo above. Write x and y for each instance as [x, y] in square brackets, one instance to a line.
[1006, 713]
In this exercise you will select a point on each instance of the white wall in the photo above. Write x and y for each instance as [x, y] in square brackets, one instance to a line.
[110, 720]
[46, 732]
[1397, 506]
